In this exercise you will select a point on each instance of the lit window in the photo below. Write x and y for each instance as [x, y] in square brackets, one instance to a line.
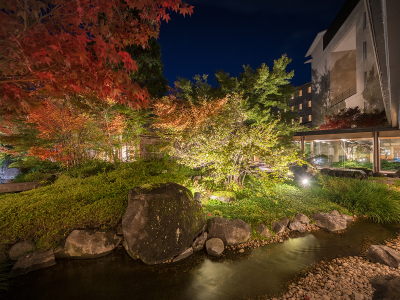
[292, 96]
[292, 121]
[292, 108]
[300, 93]
[309, 103]
[300, 106]
[309, 118]
[309, 89]
[301, 119]
[284, 110]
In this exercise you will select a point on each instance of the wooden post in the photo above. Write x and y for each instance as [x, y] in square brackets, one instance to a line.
[302, 143]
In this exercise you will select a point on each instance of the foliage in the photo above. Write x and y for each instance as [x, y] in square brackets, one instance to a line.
[150, 68]
[217, 138]
[265, 205]
[61, 48]
[361, 197]
[354, 117]
[48, 214]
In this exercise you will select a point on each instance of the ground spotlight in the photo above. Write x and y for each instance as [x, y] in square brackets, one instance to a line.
[305, 181]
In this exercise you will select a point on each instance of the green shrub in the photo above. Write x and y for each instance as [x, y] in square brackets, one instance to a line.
[362, 197]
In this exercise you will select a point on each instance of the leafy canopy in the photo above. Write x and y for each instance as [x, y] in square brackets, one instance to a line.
[62, 47]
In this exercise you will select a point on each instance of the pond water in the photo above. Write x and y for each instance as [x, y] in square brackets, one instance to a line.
[260, 271]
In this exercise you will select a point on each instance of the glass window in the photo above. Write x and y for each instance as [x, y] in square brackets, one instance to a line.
[309, 103]
[365, 80]
[300, 106]
[292, 108]
[301, 119]
[343, 153]
[300, 93]
[309, 118]
[292, 121]
[390, 154]
[364, 20]
[309, 89]
[365, 50]
[292, 96]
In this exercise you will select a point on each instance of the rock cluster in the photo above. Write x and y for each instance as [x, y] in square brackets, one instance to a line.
[348, 278]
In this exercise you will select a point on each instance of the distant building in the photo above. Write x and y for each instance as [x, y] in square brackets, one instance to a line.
[356, 61]
[301, 103]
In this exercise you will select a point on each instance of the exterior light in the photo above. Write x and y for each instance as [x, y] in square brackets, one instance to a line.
[305, 181]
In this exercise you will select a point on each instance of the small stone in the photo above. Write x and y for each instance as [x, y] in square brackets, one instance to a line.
[183, 255]
[241, 250]
[215, 247]
[33, 261]
[199, 242]
[21, 248]
[263, 230]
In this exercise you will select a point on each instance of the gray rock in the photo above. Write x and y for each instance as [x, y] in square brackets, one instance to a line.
[215, 247]
[160, 222]
[197, 197]
[384, 255]
[224, 199]
[358, 296]
[184, 254]
[334, 213]
[230, 232]
[33, 261]
[199, 242]
[329, 222]
[278, 227]
[347, 218]
[83, 244]
[263, 230]
[303, 219]
[295, 225]
[21, 248]
[285, 221]
[387, 287]
[119, 229]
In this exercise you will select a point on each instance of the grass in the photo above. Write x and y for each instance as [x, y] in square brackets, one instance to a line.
[79, 200]
[95, 196]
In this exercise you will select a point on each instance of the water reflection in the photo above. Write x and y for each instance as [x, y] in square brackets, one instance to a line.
[255, 272]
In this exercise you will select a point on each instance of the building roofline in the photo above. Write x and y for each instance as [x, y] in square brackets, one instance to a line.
[315, 42]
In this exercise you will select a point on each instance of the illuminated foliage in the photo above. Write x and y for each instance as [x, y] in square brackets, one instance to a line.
[61, 48]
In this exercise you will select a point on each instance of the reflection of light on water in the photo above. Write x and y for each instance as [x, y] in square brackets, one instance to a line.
[209, 279]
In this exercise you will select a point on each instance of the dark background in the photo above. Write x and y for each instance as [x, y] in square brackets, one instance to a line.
[227, 34]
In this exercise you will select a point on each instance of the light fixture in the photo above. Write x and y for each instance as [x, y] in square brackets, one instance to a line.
[305, 181]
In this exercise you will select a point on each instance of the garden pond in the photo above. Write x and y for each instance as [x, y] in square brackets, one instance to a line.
[259, 271]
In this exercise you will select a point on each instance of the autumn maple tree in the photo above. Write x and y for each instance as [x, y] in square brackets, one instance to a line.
[60, 48]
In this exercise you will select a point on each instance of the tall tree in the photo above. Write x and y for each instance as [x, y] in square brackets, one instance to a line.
[60, 48]
[149, 74]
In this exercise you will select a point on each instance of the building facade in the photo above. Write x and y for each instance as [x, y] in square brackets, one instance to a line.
[301, 103]
[349, 60]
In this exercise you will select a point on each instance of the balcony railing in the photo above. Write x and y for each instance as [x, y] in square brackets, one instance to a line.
[346, 94]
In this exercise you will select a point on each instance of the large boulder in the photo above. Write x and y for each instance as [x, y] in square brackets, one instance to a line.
[230, 232]
[33, 261]
[83, 244]
[303, 219]
[160, 222]
[295, 225]
[285, 221]
[387, 287]
[329, 222]
[199, 242]
[215, 247]
[21, 248]
[384, 255]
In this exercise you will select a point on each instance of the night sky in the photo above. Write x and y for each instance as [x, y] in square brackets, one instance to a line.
[227, 34]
